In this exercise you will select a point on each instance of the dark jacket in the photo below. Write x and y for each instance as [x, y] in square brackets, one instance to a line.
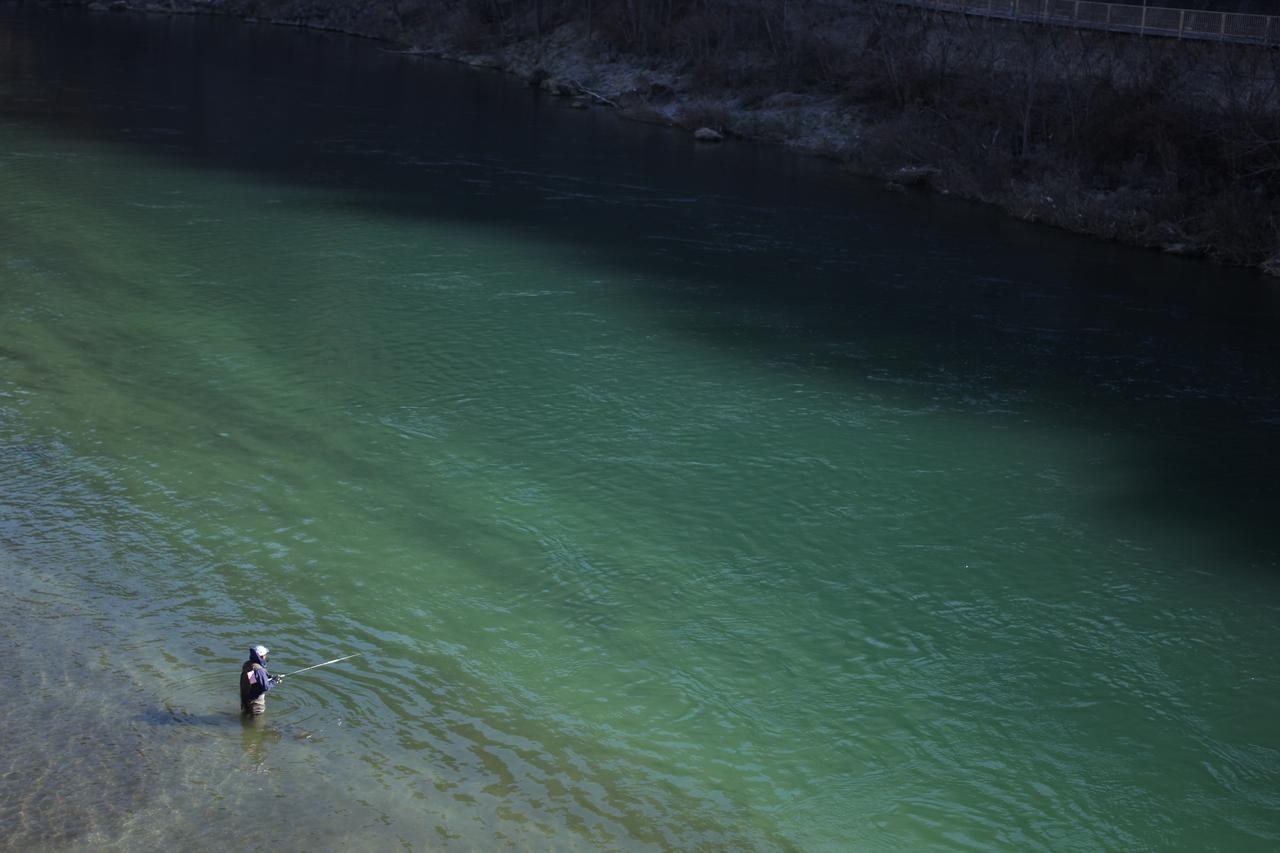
[255, 681]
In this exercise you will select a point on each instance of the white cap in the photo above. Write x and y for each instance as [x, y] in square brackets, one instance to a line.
[261, 651]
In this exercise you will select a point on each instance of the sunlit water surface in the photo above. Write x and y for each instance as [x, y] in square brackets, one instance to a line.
[676, 498]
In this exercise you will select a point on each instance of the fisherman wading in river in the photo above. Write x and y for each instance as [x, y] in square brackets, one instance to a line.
[255, 681]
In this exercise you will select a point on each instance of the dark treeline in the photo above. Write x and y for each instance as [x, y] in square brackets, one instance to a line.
[1149, 140]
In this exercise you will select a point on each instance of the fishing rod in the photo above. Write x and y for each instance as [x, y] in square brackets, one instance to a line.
[317, 666]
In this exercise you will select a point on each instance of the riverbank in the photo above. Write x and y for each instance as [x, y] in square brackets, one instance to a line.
[1152, 142]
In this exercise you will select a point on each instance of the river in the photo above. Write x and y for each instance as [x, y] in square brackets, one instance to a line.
[675, 497]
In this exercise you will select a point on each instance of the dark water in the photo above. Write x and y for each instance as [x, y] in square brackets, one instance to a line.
[675, 497]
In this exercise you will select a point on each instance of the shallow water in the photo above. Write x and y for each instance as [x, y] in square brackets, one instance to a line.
[675, 497]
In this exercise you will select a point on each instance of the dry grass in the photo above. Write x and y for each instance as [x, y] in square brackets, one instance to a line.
[1151, 141]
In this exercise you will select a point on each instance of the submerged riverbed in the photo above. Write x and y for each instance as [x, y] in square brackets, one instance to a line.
[675, 498]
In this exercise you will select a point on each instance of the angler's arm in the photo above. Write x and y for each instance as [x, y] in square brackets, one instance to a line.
[262, 680]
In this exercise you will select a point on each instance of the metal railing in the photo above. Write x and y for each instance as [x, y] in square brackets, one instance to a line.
[1123, 18]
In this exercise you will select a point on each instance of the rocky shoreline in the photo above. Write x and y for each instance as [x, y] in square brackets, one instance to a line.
[1012, 115]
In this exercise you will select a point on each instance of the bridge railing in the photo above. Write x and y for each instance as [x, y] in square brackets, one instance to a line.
[1123, 17]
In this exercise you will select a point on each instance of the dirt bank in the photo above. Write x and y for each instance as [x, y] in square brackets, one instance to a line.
[1153, 142]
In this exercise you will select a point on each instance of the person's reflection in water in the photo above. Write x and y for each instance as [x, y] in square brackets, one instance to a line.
[255, 734]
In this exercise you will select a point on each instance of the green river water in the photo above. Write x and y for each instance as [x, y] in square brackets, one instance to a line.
[676, 498]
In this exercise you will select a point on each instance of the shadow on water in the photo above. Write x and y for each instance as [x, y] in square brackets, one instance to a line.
[169, 715]
[257, 733]
[753, 250]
